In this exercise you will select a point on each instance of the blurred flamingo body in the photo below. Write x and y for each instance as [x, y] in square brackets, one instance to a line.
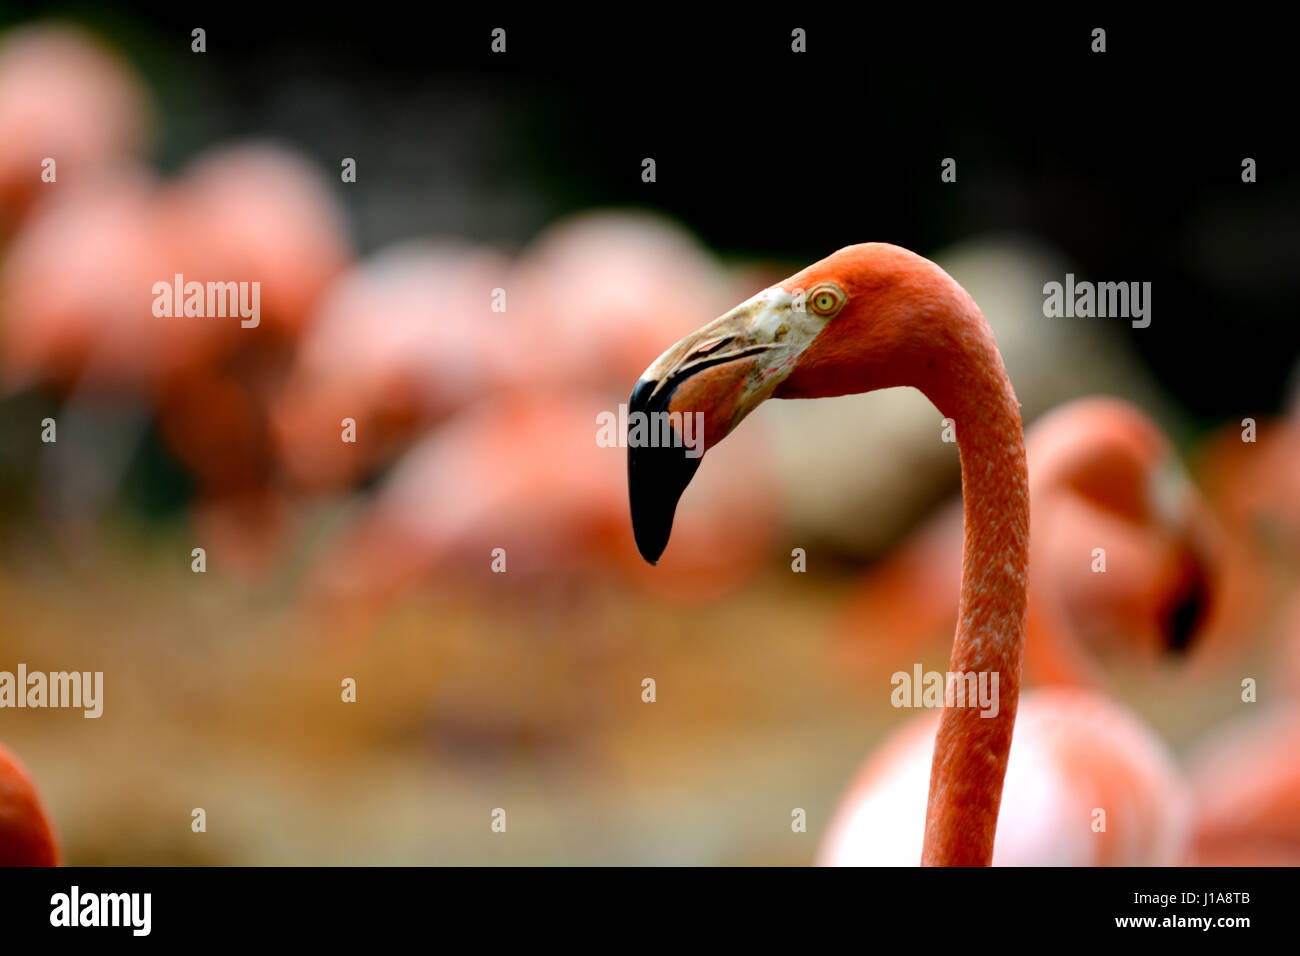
[76, 316]
[26, 834]
[1254, 491]
[1074, 754]
[1247, 782]
[65, 96]
[525, 474]
[1101, 474]
[599, 290]
[399, 343]
[498, 410]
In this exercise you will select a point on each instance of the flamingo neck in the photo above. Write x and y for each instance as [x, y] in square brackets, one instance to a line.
[971, 750]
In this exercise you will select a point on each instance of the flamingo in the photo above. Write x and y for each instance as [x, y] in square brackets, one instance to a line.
[1245, 776]
[525, 474]
[26, 834]
[507, 457]
[66, 96]
[1101, 474]
[1076, 753]
[874, 316]
[596, 291]
[74, 317]
[1247, 785]
[71, 313]
[399, 343]
[1254, 487]
[254, 212]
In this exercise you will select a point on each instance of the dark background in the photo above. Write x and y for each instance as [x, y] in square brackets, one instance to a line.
[1129, 161]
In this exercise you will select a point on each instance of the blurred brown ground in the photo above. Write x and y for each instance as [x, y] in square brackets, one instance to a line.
[216, 698]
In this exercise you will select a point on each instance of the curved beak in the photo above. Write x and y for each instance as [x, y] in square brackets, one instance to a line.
[693, 395]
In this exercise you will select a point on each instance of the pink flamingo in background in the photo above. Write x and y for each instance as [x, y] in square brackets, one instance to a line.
[252, 212]
[26, 834]
[1246, 776]
[598, 290]
[400, 342]
[1254, 489]
[524, 473]
[1102, 475]
[422, 330]
[244, 213]
[63, 96]
[511, 401]
[74, 289]
[1247, 787]
[76, 307]
[1075, 755]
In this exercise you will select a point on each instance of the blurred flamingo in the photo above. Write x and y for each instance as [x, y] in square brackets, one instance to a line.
[75, 321]
[1102, 475]
[76, 308]
[66, 96]
[75, 289]
[1247, 783]
[1245, 775]
[249, 212]
[1254, 490]
[1075, 756]
[525, 474]
[422, 330]
[400, 342]
[517, 464]
[599, 290]
[26, 834]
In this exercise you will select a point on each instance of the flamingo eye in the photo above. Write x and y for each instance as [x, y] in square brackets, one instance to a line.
[826, 300]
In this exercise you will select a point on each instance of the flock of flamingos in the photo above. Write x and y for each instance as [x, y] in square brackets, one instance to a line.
[1200, 558]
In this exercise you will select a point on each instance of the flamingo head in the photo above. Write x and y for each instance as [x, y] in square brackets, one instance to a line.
[1110, 456]
[1186, 565]
[869, 316]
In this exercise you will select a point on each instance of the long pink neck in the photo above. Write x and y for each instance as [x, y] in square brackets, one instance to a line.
[970, 751]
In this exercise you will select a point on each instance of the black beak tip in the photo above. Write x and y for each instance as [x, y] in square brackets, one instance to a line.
[656, 477]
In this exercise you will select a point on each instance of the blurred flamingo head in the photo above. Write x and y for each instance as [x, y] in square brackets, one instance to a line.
[67, 97]
[1117, 485]
[599, 292]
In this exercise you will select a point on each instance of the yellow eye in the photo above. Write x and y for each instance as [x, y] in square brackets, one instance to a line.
[825, 301]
